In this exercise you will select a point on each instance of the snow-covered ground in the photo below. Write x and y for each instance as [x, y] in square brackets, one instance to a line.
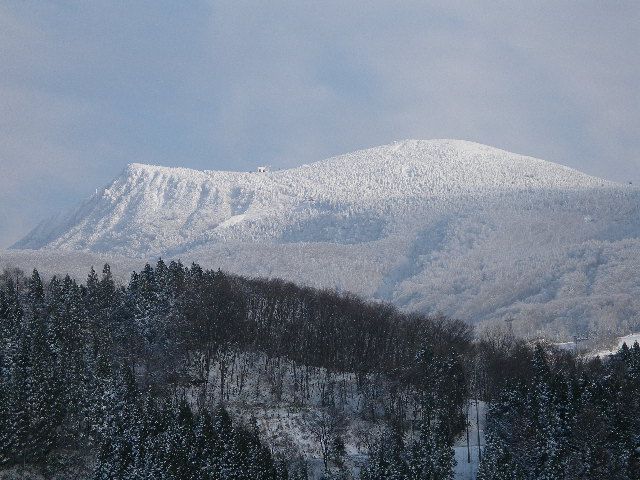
[628, 339]
[286, 413]
[444, 226]
[468, 452]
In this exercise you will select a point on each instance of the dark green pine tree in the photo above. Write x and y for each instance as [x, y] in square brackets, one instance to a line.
[116, 428]
[149, 424]
[11, 318]
[257, 457]
[634, 389]
[624, 407]
[92, 289]
[547, 406]
[201, 452]
[35, 406]
[595, 437]
[106, 289]
[499, 461]
[431, 456]
[223, 438]
[176, 279]
[66, 322]
[387, 461]
[179, 439]
[235, 457]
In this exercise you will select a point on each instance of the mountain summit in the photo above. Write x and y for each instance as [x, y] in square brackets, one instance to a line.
[154, 210]
[443, 226]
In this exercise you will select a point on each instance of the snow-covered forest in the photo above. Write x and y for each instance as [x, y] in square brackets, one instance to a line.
[440, 226]
[319, 240]
[191, 373]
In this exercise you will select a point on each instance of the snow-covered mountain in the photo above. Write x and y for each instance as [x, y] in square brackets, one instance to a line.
[442, 226]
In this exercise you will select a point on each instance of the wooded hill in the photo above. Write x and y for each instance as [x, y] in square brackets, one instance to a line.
[161, 378]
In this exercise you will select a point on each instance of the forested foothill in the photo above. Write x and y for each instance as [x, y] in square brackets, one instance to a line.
[187, 373]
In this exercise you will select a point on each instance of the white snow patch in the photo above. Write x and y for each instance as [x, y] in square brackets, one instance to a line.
[628, 339]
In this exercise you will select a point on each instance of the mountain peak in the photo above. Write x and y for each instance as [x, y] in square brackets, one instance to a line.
[440, 225]
[155, 209]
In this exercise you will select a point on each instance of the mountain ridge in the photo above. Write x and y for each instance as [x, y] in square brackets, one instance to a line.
[410, 169]
[444, 226]
[396, 145]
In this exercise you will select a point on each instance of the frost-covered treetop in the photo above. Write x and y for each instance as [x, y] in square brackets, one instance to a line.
[158, 209]
[440, 226]
[406, 168]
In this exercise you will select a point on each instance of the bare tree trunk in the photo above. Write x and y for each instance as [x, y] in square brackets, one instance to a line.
[223, 370]
[466, 423]
[478, 430]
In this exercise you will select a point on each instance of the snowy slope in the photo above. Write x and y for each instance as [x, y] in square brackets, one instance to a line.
[151, 209]
[629, 340]
[442, 225]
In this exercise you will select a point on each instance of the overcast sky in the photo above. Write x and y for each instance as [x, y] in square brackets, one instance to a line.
[87, 87]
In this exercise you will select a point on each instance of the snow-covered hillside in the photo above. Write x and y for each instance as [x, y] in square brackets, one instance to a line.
[441, 226]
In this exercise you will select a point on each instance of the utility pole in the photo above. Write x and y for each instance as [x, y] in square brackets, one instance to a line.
[466, 421]
[478, 430]
[509, 321]
[476, 378]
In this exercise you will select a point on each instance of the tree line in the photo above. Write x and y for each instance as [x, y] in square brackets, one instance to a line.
[136, 381]
[564, 419]
[107, 375]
